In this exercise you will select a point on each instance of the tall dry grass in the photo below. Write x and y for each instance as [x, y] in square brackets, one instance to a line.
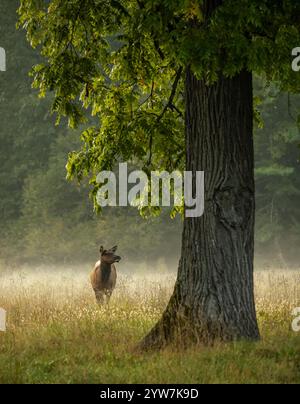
[42, 296]
[56, 332]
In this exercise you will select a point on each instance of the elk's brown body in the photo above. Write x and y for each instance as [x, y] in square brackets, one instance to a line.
[104, 276]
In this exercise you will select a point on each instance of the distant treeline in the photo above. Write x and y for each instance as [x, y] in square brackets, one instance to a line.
[44, 218]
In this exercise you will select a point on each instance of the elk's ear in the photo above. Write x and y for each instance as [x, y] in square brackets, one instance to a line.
[101, 249]
[114, 249]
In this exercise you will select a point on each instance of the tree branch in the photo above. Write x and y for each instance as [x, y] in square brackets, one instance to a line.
[158, 49]
[170, 104]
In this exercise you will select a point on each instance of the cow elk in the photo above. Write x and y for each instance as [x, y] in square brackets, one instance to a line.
[104, 275]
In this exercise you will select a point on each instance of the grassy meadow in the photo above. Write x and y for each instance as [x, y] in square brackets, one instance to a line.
[57, 334]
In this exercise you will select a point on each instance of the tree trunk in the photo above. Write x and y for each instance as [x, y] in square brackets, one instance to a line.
[213, 298]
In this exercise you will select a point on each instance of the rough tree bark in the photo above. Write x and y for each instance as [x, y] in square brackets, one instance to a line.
[213, 298]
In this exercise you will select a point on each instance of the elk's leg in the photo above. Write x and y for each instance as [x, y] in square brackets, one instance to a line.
[99, 296]
[108, 294]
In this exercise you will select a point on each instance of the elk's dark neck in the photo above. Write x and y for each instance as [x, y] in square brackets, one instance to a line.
[105, 271]
[105, 265]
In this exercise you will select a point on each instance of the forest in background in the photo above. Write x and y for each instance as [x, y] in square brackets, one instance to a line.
[45, 219]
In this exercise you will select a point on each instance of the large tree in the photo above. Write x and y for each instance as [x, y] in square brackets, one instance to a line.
[152, 71]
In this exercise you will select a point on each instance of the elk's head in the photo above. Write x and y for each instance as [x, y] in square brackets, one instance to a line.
[109, 256]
